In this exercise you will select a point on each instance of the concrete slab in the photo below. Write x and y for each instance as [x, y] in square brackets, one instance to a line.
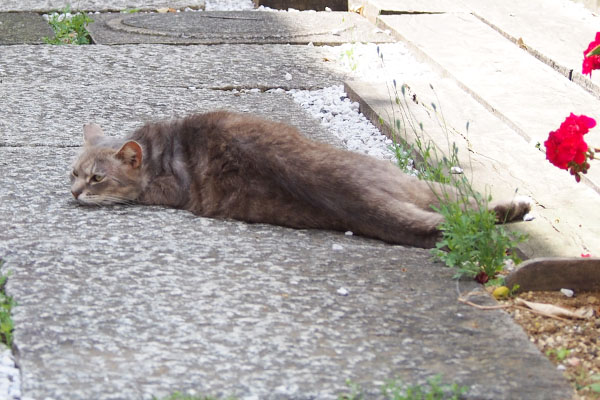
[533, 99]
[57, 118]
[95, 5]
[497, 158]
[23, 28]
[218, 27]
[131, 302]
[224, 67]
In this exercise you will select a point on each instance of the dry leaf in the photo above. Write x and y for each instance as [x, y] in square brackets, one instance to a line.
[556, 311]
[357, 8]
[521, 44]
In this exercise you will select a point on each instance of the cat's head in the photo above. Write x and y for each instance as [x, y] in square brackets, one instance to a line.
[104, 175]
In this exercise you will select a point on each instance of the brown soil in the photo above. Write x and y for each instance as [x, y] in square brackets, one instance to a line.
[571, 344]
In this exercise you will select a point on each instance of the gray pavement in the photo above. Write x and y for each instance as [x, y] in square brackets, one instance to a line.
[134, 302]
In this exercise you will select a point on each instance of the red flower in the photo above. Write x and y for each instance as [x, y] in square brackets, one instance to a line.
[565, 147]
[482, 277]
[591, 62]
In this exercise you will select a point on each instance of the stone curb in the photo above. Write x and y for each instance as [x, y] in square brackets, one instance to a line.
[551, 274]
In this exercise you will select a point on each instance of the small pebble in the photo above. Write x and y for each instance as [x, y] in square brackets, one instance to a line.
[348, 233]
[342, 291]
[288, 76]
[337, 247]
[567, 292]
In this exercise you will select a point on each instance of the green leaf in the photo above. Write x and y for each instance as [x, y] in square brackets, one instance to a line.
[594, 52]
[594, 387]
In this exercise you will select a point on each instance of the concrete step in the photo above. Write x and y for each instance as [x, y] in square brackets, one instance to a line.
[556, 32]
[497, 158]
[520, 96]
[522, 91]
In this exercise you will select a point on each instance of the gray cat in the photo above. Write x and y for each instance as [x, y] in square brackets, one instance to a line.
[228, 165]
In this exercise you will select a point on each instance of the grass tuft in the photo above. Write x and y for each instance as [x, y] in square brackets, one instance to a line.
[395, 389]
[6, 305]
[69, 28]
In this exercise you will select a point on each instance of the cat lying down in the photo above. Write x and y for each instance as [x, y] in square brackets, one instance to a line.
[228, 165]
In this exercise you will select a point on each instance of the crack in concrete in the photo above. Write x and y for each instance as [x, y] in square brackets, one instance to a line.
[405, 12]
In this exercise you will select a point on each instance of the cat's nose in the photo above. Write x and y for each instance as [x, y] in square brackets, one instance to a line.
[76, 193]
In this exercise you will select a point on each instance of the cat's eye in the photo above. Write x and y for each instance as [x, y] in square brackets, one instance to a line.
[96, 178]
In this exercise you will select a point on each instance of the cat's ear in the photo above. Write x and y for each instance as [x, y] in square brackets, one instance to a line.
[131, 154]
[91, 133]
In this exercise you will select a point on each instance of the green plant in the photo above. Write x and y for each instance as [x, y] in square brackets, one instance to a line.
[559, 354]
[69, 29]
[471, 241]
[6, 305]
[395, 389]
[348, 52]
[182, 396]
[356, 392]
[594, 387]
[433, 390]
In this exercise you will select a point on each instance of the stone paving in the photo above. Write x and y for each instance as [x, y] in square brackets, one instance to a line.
[134, 302]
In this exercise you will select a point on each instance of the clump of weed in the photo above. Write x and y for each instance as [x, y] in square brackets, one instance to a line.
[472, 242]
[395, 389]
[69, 28]
[182, 396]
[6, 305]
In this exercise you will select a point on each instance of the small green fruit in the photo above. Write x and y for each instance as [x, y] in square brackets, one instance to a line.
[501, 292]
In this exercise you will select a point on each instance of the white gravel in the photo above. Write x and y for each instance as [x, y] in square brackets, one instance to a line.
[342, 118]
[10, 377]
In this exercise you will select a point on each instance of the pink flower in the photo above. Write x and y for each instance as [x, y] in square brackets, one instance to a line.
[585, 255]
[591, 62]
